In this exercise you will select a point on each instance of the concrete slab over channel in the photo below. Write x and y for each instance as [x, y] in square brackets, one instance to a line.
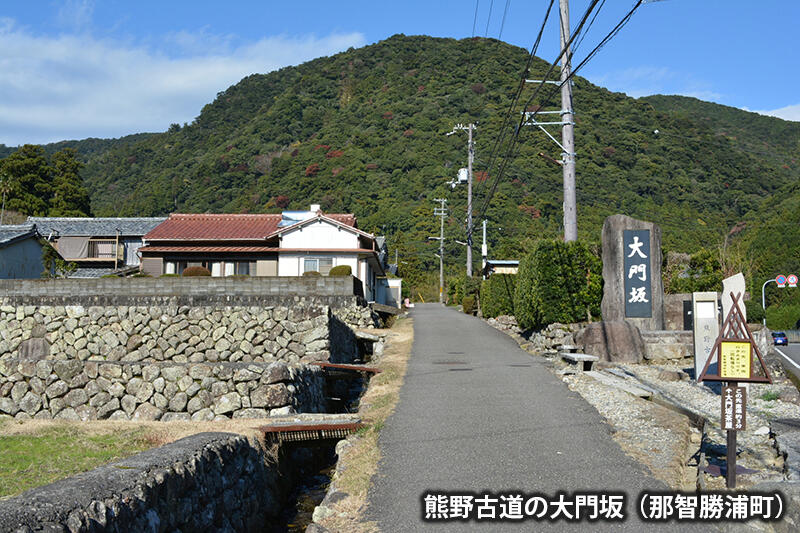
[477, 414]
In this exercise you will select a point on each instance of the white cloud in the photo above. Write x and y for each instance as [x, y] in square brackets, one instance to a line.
[75, 85]
[646, 80]
[790, 112]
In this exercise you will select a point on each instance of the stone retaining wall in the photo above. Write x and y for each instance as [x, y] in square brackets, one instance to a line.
[206, 482]
[178, 334]
[92, 390]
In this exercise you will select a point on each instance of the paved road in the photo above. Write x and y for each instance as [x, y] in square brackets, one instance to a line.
[476, 413]
[791, 357]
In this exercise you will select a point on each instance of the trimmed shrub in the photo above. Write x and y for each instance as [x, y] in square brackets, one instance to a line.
[341, 270]
[754, 311]
[782, 316]
[558, 282]
[312, 274]
[190, 272]
[141, 275]
[497, 295]
[169, 276]
[462, 286]
[468, 305]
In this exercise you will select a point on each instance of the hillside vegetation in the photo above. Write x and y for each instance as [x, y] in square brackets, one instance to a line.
[364, 132]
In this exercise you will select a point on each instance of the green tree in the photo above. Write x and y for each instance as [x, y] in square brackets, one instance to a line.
[69, 196]
[28, 176]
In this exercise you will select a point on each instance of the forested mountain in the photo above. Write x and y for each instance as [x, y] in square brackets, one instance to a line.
[364, 132]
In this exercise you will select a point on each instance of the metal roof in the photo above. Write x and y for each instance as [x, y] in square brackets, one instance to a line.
[90, 227]
[505, 262]
[230, 227]
[12, 233]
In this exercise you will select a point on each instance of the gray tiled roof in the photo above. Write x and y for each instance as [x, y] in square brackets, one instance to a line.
[9, 233]
[88, 227]
[91, 272]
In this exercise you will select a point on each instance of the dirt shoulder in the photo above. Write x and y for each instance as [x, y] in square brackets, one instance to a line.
[344, 506]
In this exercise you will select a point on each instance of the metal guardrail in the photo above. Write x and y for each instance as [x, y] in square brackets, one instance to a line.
[792, 334]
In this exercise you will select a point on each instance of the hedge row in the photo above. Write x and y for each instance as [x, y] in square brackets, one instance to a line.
[558, 282]
[497, 295]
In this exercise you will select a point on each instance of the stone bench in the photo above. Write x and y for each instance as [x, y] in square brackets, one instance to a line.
[584, 361]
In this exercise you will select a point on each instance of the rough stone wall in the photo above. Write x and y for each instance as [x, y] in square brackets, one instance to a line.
[171, 333]
[206, 482]
[92, 390]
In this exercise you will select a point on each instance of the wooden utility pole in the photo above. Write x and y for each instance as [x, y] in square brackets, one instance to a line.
[567, 131]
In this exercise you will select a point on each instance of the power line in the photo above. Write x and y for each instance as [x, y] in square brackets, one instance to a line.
[503, 23]
[475, 19]
[546, 101]
[489, 18]
[515, 136]
[507, 120]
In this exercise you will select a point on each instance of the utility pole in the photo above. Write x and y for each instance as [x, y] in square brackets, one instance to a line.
[484, 251]
[470, 156]
[440, 212]
[567, 123]
[3, 186]
[567, 131]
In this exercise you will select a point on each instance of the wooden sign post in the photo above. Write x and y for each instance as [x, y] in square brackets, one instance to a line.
[734, 349]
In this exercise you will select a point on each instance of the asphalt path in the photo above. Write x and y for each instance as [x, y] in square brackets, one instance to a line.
[478, 414]
[791, 357]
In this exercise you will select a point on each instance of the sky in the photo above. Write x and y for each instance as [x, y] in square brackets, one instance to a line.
[72, 69]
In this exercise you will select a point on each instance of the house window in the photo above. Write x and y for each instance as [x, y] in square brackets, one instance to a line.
[322, 265]
[243, 268]
[102, 249]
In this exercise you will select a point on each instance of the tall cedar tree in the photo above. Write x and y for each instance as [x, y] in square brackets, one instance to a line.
[70, 197]
[28, 176]
[37, 188]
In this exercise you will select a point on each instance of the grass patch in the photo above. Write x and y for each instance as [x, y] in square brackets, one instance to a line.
[38, 452]
[770, 396]
[358, 463]
[58, 452]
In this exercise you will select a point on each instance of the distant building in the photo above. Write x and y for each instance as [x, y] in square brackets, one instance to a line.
[286, 244]
[99, 246]
[20, 252]
[500, 266]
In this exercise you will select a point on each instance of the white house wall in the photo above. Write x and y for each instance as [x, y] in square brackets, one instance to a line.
[291, 264]
[319, 234]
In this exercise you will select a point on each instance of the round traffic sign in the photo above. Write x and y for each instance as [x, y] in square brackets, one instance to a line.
[780, 279]
[791, 279]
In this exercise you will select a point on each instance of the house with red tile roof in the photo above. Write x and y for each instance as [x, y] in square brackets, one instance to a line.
[286, 244]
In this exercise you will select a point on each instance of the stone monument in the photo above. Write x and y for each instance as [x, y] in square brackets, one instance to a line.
[633, 290]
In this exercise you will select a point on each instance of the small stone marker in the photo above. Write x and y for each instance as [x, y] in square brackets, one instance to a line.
[705, 318]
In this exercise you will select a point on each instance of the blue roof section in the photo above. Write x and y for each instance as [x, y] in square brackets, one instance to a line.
[13, 233]
[289, 218]
[89, 227]
[504, 262]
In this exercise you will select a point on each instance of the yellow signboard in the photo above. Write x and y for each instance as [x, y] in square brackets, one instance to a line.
[734, 360]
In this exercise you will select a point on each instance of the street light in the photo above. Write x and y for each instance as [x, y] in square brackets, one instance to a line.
[764, 300]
